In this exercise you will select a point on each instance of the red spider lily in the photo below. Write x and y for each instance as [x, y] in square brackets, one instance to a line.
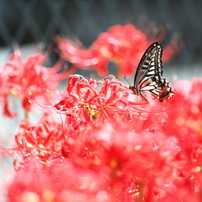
[185, 119]
[149, 159]
[186, 112]
[112, 148]
[123, 45]
[27, 79]
[59, 182]
[128, 166]
[41, 141]
[93, 102]
[86, 106]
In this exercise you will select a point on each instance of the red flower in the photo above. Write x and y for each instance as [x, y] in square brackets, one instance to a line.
[149, 159]
[29, 80]
[128, 165]
[42, 141]
[124, 45]
[185, 121]
[184, 111]
[124, 150]
[93, 102]
[59, 182]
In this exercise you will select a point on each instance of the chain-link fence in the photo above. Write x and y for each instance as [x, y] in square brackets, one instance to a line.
[33, 21]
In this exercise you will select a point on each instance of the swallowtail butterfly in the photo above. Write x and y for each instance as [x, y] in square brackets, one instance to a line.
[148, 77]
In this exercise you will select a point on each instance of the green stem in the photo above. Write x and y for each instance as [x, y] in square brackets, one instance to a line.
[26, 114]
[140, 188]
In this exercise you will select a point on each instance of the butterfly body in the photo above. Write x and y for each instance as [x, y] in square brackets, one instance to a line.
[148, 77]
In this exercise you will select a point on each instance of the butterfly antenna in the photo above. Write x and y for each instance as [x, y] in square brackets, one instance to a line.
[127, 80]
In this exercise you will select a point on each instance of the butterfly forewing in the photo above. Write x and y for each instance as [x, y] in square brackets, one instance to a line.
[150, 64]
[148, 77]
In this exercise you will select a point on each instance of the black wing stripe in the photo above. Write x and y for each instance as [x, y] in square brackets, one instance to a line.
[148, 77]
[144, 64]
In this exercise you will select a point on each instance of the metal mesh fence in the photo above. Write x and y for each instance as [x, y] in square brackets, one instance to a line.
[33, 21]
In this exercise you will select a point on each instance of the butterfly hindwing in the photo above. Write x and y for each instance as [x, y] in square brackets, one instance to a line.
[148, 77]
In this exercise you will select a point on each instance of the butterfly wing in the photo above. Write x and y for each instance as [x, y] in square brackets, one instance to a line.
[150, 64]
[148, 77]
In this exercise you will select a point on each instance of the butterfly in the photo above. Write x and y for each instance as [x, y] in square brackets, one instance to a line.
[148, 76]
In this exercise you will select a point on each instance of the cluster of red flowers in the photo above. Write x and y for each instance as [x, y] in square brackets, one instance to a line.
[101, 143]
[124, 45]
[110, 148]
[28, 80]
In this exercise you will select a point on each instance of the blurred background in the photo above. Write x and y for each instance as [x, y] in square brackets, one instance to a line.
[32, 22]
